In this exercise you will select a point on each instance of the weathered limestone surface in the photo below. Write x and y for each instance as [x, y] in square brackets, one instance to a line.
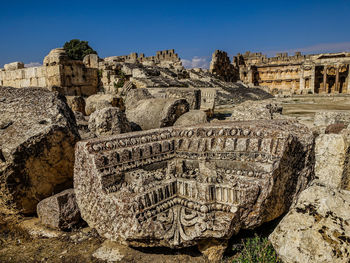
[256, 110]
[100, 101]
[317, 228]
[178, 186]
[193, 117]
[60, 211]
[192, 96]
[108, 121]
[157, 113]
[332, 160]
[134, 96]
[14, 66]
[37, 137]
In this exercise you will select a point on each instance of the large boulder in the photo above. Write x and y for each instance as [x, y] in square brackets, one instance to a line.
[193, 117]
[37, 138]
[100, 101]
[181, 186]
[157, 113]
[316, 229]
[256, 110]
[60, 211]
[108, 121]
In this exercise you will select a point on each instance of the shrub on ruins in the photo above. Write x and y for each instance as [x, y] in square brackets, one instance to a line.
[257, 249]
[77, 49]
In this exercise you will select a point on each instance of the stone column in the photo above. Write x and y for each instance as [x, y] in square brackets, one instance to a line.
[302, 80]
[324, 89]
[336, 88]
[312, 79]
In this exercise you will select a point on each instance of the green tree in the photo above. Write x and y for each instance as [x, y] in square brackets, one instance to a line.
[77, 49]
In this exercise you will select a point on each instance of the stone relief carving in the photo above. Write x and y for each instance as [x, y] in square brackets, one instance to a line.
[175, 186]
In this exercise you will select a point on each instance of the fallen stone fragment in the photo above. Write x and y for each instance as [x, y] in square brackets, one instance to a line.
[133, 96]
[60, 211]
[157, 113]
[108, 121]
[100, 101]
[108, 252]
[36, 147]
[76, 103]
[316, 229]
[325, 118]
[213, 249]
[193, 117]
[332, 160]
[256, 110]
[178, 186]
[37, 230]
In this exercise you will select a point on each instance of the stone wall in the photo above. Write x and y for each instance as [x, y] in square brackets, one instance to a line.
[69, 77]
[163, 57]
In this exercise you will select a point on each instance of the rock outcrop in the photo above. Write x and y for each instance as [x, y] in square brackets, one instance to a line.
[108, 121]
[179, 186]
[317, 228]
[156, 113]
[37, 138]
[60, 211]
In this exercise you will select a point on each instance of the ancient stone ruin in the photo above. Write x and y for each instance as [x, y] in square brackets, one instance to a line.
[177, 186]
[300, 74]
[69, 77]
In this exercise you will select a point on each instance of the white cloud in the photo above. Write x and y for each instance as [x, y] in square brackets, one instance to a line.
[196, 62]
[326, 47]
[33, 64]
[318, 48]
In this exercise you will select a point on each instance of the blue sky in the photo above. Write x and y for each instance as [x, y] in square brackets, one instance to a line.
[30, 29]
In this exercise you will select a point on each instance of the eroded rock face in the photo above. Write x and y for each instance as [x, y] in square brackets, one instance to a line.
[76, 103]
[60, 211]
[178, 186]
[37, 138]
[108, 121]
[157, 113]
[317, 228]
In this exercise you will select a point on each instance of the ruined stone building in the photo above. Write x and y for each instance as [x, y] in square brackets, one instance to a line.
[322, 73]
[298, 74]
[70, 77]
[163, 75]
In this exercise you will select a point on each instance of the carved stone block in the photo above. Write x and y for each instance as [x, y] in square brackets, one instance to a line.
[189, 184]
